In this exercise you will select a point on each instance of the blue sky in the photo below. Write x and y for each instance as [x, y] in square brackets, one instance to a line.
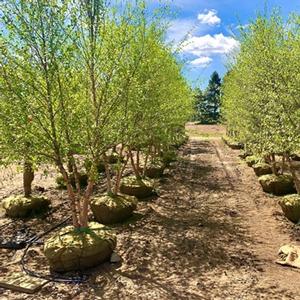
[209, 24]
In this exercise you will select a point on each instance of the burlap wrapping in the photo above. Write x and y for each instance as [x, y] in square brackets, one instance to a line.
[289, 255]
[113, 209]
[20, 206]
[261, 169]
[71, 250]
[290, 206]
[139, 188]
[277, 185]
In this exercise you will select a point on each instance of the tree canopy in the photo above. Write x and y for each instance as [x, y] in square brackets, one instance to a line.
[260, 92]
[79, 78]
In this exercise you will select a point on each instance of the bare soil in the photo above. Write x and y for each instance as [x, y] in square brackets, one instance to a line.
[210, 234]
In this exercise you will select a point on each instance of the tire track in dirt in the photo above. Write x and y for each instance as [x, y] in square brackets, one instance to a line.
[237, 199]
[268, 232]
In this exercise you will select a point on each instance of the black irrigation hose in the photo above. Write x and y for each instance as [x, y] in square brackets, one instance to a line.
[53, 278]
[13, 245]
[52, 210]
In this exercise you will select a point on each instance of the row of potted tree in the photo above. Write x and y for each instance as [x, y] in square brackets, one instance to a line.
[261, 104]
[85, 84]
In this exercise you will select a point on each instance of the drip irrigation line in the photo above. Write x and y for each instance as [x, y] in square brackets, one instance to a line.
[17, 245]
[52, 210]
[53, 278]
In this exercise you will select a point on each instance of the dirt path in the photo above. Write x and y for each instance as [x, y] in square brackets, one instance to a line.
[212, 234]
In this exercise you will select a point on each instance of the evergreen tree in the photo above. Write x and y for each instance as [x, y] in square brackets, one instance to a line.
[212, 98]
[207, 104]
[198, 105]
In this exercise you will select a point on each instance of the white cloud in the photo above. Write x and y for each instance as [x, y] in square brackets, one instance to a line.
[202, 62]
[209, 17]
[208, 45]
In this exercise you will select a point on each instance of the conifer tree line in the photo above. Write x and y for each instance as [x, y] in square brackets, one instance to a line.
[207, 103]
[261, 103]
[87, 78]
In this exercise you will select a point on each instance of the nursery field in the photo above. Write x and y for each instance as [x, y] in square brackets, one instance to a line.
[211, 233]
[108, 191]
